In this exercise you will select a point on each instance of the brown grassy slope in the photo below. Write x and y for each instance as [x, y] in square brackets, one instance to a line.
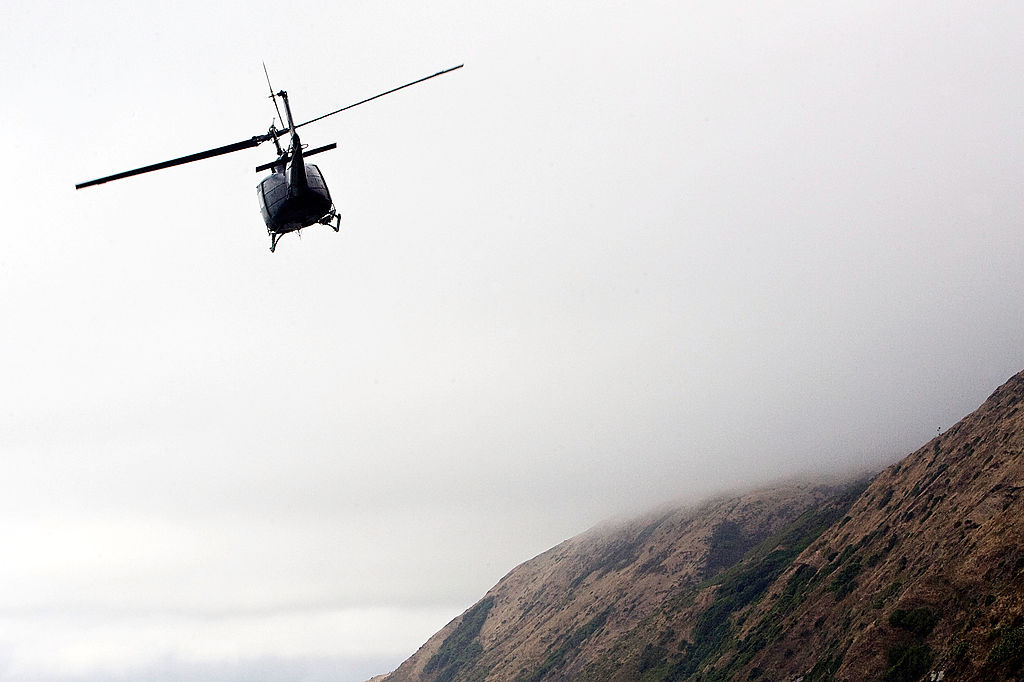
[921, 572]
[927, 572]
[568, 606]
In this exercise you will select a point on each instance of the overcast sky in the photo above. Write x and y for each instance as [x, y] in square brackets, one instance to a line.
[631, 252]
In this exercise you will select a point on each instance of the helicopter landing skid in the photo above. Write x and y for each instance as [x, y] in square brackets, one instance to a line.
[333, 219]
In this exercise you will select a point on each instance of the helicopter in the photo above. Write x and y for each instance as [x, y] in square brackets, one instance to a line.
[295, 194]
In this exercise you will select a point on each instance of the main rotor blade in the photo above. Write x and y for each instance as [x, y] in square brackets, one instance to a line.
[199, 156]
[245, 144]
[369, 99]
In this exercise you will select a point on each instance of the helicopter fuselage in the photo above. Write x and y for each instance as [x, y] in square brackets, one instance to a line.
[289, 203]
[295, 194]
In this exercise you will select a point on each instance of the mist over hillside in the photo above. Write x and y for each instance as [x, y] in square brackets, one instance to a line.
[917, 571]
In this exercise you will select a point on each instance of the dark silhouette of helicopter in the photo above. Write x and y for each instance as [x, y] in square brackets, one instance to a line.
[294, 195]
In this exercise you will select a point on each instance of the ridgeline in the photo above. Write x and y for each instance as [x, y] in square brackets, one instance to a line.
[914, 574]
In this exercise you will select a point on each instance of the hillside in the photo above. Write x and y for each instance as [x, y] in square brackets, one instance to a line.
[917, 574]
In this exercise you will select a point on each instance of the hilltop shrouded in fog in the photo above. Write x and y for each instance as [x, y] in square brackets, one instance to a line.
[918, 571]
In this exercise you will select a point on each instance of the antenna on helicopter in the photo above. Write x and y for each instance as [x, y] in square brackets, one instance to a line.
[273, 96]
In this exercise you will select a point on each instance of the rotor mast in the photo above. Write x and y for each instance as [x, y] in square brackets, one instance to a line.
[296, 167]
[287, 110]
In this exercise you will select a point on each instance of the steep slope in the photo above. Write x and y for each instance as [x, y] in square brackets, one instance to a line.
[919, 575]
[925, 574]
[551, 616]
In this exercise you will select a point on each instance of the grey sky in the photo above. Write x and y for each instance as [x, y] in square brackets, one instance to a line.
[632, 252]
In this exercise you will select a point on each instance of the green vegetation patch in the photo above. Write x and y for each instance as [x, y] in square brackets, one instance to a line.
[460, 650]
[908, 663]
[620, 553]
[843, 583]
[919, 621]
[648, 654]
[885, 595]
[746, 582]
[569, 645]
[1009, 649]
[727, 546]
[652, 658]
[826, 668]
[796, 587]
